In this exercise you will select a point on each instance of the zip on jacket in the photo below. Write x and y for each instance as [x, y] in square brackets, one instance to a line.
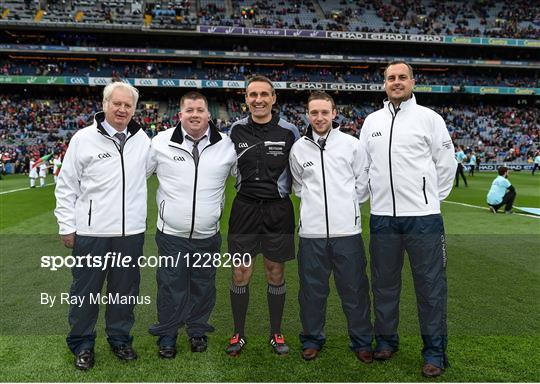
[321, 149]
[132, 129]
[121, 151]
[195, 179]
[424, 188]
[90, 214]
[396, 110]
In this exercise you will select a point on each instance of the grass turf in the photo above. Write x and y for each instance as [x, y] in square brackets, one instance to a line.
[493, 277]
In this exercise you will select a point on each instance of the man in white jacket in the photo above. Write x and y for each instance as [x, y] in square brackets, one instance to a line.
[326, 168]
[101, 211]
[192, 162]
[409, 168]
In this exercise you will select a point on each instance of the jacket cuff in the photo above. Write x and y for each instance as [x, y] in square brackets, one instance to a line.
[66, 229]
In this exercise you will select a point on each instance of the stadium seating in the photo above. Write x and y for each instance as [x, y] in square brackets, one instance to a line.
[516, 19]
[127, 12]
[166, 14]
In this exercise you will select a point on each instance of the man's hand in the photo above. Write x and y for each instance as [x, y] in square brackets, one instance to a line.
[68, 240]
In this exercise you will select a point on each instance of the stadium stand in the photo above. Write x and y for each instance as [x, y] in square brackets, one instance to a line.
[171, 14]
[499, 128]
[126, 68]
[516, 19]
[467, 18]
[127, 12]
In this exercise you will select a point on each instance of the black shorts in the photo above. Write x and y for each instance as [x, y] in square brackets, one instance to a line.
[265, 227]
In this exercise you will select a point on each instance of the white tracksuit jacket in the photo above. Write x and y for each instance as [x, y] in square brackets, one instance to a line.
[408, 159]
[190, 198]
[101, 190]
[325, 181]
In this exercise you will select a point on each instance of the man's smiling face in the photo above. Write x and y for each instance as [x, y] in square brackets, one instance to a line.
[398, 83]
[260, 97]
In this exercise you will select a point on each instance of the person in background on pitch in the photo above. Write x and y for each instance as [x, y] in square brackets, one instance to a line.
[409, 167]
[479, 156]
[32, 171]
[192, 162]
[502, 192]
[43, 167]
[57, 164]
[101, 208]
[460, 158]
[536, 160]
[472, 163]
[262, 215]
[325, 166]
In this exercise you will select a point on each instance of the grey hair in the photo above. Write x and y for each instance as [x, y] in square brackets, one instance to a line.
[108, 90]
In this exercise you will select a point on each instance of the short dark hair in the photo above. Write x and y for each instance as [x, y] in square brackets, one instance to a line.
[321, 95]
[260, 78]
[396, 62]
[502, 170]
[193, 95]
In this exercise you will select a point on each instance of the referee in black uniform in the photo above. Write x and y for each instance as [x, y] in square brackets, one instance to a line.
[262, 215]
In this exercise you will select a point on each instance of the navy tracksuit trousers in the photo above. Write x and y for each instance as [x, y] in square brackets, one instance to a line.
[119, 318]
[345, 257]
[186, 295]
[422, 237]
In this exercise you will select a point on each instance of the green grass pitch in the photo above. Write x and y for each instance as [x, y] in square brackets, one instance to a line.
[493, 306]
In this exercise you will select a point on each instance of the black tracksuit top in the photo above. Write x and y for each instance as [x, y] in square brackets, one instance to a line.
[263, 157]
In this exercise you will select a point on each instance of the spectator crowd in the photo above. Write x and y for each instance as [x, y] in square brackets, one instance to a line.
[484, 18]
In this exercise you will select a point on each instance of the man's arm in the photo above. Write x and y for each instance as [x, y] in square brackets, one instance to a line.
[296, 172]
[67, 192]
[509, 186]
[361, 167]
[234, 168]
[442, 153]
[151, 161]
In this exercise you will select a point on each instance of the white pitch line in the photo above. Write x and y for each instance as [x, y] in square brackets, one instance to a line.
[22, 189]
[484, 208]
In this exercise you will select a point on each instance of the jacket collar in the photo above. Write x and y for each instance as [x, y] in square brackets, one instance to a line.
[309, 130]
[407, 104]
[178, 138]
[99, 118]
